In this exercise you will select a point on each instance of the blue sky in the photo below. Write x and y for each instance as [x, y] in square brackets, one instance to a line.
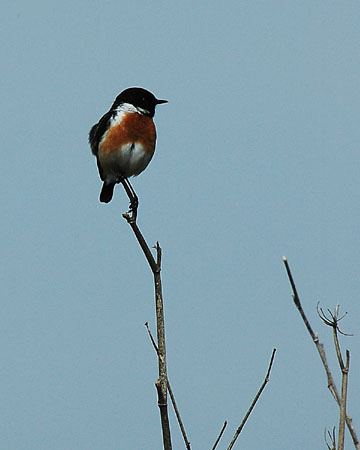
[257, 157]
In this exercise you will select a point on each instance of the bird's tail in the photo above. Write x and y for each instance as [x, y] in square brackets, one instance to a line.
[106, 192]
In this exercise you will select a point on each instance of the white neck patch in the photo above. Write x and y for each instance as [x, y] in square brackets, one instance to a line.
[123, 109]
[128, 107]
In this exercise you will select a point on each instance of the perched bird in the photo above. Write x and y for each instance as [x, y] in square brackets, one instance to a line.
[123, 141]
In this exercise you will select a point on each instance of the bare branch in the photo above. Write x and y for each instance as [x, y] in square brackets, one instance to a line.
[238, 431]
[161, 383]
[297, 300]
[145, 248]
[345, 372]
[321, 351]
[220, 434]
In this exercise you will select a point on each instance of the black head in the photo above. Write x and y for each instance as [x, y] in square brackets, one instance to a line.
[140, 98]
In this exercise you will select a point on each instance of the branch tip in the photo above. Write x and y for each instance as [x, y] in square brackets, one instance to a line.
[256, 398]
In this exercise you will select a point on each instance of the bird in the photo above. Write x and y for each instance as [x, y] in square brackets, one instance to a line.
[123, 141]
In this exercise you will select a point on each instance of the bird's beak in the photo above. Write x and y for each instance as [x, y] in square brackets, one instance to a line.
[158, 102]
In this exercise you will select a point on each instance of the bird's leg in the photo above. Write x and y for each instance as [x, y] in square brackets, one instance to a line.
[134, 201]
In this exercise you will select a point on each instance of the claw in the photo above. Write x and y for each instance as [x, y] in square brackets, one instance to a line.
[131, 215]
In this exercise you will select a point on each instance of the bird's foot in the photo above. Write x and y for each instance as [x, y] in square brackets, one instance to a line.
[131, 215]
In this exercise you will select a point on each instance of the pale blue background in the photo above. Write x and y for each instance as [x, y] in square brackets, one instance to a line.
[257, 157]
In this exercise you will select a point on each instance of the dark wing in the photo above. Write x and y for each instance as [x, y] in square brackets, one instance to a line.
[95, 135]
[98, 131]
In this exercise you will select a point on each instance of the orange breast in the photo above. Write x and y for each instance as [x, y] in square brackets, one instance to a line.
[133, 127]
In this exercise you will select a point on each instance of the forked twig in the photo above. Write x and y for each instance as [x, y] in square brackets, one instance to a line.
[321, 351]
[238, 431]
[332, 439]
[332, 320]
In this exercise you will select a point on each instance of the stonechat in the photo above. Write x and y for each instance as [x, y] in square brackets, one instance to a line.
[123, 141]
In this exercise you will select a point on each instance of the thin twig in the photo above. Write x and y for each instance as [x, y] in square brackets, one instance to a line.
[172, 397]
[320, 348]
[220, 434]
[297, 300]
[345, 373]
[145, 248]
[238, 431]
[338, 350]
[151, 338]
[332, 439]
[178, 417]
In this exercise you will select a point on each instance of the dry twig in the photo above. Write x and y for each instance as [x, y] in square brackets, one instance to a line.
[333, 322]
[238, 431]
[220, 434]
[320, 348]
[332, 439]
[345, 374]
